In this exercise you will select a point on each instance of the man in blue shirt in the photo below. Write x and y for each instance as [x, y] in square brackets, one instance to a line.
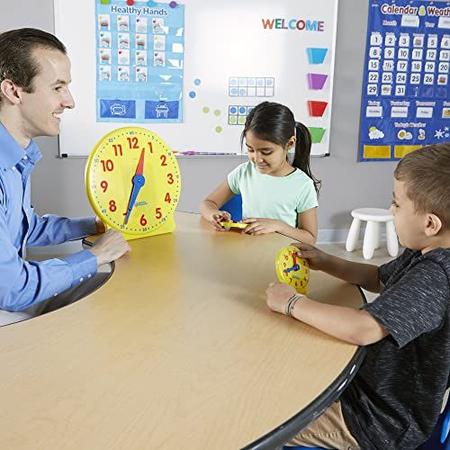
[34, 92]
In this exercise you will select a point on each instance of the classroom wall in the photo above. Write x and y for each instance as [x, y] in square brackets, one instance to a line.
[58, 184]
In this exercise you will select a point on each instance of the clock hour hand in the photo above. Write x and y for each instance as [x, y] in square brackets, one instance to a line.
[138, 181]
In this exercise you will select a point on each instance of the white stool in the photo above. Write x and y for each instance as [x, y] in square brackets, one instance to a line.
[373, 217]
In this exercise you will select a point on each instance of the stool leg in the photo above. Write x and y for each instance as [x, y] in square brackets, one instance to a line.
[391, 238]
[353, 235]
[369, 239]
[376, 243]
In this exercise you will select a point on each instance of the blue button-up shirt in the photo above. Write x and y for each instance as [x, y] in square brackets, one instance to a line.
[24, 283]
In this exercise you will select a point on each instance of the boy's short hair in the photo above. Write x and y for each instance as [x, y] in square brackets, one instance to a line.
[426, 173]
[16, 59]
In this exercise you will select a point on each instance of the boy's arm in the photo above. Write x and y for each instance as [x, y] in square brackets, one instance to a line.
[350, 325]
[364, 275]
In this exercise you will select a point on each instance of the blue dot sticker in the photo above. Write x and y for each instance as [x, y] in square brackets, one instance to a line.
[192, 94]
[197, 81]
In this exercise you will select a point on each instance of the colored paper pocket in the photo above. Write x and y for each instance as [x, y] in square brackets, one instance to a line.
[316, 108]
[316, 134]
[316, 80]
[316, 55]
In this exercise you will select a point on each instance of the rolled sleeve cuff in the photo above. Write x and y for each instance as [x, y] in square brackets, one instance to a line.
[83, 226]
[83, 265]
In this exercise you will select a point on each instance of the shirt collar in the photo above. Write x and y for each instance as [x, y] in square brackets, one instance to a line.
[11, 152]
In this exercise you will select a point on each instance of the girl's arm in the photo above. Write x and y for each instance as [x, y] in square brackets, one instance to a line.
[307, 230]
[209, 207]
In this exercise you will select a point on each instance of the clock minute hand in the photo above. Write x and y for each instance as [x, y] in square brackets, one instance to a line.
[138, 181]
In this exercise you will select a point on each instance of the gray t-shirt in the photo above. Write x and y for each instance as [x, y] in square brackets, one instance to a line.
[395, 398]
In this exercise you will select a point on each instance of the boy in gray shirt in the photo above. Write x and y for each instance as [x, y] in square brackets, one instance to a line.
[394, 400]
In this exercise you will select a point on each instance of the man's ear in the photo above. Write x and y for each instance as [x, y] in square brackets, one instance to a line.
[433, 225]
[10, 91]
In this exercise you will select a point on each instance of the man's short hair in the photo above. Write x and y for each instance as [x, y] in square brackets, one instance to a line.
[427, 175]
[16, 55]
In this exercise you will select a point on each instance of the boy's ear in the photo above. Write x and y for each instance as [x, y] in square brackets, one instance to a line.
[10, 91]
[433, 225]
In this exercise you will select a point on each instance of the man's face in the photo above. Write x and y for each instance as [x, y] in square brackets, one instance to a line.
[41, 109]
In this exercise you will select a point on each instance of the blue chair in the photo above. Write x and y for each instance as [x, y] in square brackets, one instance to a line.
[440, 439]
[234, 207]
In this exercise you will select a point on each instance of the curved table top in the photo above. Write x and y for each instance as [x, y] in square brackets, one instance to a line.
[176, 350]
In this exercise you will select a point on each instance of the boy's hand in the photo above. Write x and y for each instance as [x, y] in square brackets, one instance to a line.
[277, 296]
[317, 259]
[261, 226]
[217, 218]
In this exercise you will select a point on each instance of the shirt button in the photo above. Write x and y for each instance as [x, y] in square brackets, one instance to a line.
[81, 279]
[55, 294]
[25, 157]
[89, 275]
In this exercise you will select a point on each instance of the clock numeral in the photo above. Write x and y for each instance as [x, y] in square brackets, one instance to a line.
[133, 142]
[163, 159]
[117, 149]
[150, 147]
[104, 185]
[158, 213]
[143, 220]
[170, 179]
[108, 165]
[112, 205]
[167, 198]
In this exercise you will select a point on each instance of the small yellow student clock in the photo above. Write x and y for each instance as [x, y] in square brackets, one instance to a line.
[291, 269]
[133, 182]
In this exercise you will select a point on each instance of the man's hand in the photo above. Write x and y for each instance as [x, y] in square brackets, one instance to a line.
[100, 226]
[111, 246]
[277, 296]
[262, 226]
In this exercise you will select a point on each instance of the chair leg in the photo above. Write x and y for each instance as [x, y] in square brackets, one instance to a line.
[353, 235]
[391, 238]
[370, 239]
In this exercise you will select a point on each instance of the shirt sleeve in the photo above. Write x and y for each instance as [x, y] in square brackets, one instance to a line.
[415, 304]
[234, 178]
[24, 283]
[385, 271]
[52, 230]
[307, 197]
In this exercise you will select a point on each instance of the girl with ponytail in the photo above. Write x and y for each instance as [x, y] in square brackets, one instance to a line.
[277, 195]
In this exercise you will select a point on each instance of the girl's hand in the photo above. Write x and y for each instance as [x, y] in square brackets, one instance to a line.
[317, 259]
[277, 295]
[217, 218]
[262, 226]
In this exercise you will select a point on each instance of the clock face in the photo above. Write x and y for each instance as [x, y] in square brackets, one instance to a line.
[291, 269]
[133, 181]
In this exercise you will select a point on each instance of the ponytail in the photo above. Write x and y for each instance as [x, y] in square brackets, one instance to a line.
[302, 153]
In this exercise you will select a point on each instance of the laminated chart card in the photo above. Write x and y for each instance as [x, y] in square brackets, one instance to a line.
[139, 61]
[406, 94]
[192, 70]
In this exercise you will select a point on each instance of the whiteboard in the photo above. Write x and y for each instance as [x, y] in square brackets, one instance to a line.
[228, 45]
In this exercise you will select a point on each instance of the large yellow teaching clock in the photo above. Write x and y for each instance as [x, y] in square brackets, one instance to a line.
[133, 182]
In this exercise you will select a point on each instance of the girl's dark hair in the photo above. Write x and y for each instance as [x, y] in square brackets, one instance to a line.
[275, 123]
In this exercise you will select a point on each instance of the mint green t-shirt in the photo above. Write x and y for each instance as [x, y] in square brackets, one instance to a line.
[270, 197]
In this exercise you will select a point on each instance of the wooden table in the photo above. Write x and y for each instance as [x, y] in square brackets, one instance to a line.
[177, 350]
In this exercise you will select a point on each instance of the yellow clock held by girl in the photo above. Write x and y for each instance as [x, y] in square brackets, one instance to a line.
[133, 182]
